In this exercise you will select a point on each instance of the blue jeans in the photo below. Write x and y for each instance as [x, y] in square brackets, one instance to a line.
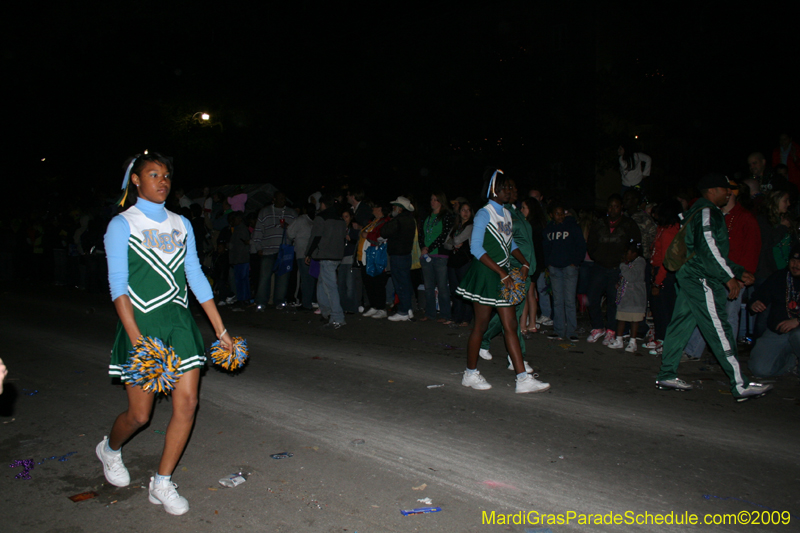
[328, 292]
[264, 277]
[603, 281]
[775, 354]
[434, 272]
[401, 278]
[308, 284]
[565, 284]
[348, 280]
[696, 345]
[544, 298]
[242, 273]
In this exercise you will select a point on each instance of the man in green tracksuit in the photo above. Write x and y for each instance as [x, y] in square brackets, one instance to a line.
[523, 237]
[705, 282]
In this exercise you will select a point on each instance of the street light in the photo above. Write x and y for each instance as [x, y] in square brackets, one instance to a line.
[203, 115]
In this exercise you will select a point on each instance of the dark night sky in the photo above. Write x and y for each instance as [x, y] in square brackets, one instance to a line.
[304, 94]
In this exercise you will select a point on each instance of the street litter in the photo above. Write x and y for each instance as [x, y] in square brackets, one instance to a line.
[27, 392]
[83, 496]
[282, 455]
[159, 432]
[538, 530]
[426, 501]
[357, 442]
[421, 487]
[421, 510]
[27, 465]
[234, 480]
[435, 386]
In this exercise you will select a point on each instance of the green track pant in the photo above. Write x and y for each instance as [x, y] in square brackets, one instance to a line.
[701, 303]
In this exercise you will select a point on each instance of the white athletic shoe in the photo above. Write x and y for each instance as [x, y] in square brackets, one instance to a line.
[754, 390]
[610, 337]
[673, 384]
[379, 313]
[631, 347]
[113, 467]
[371, 312]
[166, 494]
[475, 380]
[397, 317]
[531, 384]
[595, 335]
[410, 313]
[485, 354]
[528, 368]
[617, 343]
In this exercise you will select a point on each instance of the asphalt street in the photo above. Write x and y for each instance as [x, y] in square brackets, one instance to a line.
[370, 437]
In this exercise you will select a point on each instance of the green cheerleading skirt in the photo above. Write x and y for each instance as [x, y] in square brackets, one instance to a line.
[174, 325]
[482, 285]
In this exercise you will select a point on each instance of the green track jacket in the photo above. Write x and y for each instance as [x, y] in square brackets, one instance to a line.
[707, 239]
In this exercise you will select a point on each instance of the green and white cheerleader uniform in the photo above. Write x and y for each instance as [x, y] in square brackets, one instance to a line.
[491, 234]
[151, 253]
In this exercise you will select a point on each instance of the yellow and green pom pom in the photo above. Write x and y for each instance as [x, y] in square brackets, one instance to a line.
[515, 294]
[233, 359]
[153, 366]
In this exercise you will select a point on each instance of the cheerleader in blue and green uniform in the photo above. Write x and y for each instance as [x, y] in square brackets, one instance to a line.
[151, 255]
[492, 243]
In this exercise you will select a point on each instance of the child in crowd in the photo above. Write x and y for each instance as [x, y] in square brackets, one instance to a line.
[631, 296]
[564, 249]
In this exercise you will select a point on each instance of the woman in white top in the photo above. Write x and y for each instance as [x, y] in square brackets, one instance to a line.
[630, 167]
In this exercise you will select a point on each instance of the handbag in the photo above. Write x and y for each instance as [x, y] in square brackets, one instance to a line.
[285, 260]
[377, 258]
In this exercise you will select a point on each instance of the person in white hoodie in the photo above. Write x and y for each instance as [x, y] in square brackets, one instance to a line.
[630, 167]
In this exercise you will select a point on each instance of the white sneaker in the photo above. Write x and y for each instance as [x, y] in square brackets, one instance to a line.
[528, 368]
[410, 313]
[485, 354]
[371, 312]
[617, 343]
[475, 380]
[230, 300]
[610, 337]
[673, 384]
[379, 313]
[545, 321]
[397, 317]
[166, 494]
[360, 308]
[754, 390]
[113, 467]
[631, 347]
[595, 335]
[531, 384]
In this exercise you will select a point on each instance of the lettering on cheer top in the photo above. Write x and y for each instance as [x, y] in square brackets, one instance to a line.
[504, 228]
[555, 235]
[166, 242]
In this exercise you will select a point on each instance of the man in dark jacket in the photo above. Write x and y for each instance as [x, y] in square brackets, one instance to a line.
[608, 240]
[327, 247]
[400, 233]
